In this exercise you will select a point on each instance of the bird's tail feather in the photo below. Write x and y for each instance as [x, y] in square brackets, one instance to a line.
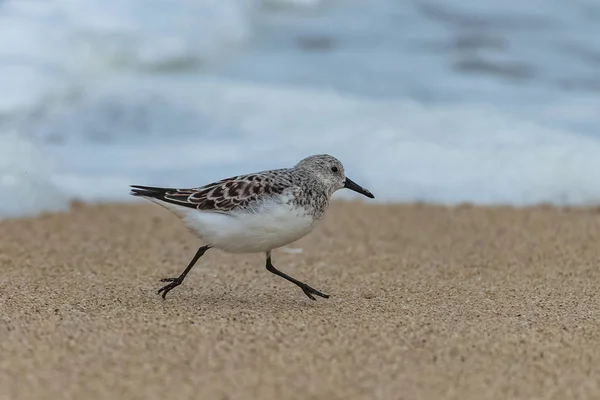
[148, 191]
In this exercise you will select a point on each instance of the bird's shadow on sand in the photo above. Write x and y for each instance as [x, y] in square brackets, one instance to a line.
[242, 301]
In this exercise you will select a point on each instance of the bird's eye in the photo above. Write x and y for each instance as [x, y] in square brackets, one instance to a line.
[334, 169]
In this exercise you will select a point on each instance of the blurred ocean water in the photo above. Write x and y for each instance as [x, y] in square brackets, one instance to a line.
[440, 101]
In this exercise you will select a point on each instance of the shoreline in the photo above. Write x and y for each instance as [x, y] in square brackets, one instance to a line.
[76, 204]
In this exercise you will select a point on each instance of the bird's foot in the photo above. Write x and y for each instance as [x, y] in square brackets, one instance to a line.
[309, 291]
[167, 288]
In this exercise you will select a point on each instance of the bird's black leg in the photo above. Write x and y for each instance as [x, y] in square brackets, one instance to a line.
[309, 291]
[177, 281]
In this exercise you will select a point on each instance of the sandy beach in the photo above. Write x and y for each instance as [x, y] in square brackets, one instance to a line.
[426, 303]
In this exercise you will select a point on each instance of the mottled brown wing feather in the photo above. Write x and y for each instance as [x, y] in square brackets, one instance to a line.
[224, 195]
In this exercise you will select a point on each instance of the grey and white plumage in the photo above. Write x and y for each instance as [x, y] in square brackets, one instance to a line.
[256, 212]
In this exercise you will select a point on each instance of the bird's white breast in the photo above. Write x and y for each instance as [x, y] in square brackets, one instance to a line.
[272, 225]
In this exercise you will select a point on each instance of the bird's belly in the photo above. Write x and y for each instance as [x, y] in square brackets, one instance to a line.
[271, 228]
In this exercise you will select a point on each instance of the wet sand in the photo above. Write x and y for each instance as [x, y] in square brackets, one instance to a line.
[426, 303]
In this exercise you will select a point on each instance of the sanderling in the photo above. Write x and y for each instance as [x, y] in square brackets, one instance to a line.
[256, 212]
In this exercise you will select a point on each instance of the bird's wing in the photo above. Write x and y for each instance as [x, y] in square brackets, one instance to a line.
[222, 196]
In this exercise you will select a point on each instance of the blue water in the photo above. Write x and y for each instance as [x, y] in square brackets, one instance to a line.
[440, 101]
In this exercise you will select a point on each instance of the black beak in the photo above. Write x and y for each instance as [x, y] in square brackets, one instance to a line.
[350, 184]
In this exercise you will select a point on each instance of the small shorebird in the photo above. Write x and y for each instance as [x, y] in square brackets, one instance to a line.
[256, 212]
